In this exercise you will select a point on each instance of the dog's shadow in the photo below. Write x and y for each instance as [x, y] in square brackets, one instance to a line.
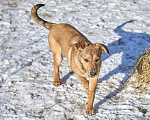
[64, 79]
[130, 45]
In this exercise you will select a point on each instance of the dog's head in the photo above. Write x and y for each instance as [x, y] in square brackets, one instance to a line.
[90, 57]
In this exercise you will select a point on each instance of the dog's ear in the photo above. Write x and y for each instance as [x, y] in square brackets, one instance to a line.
[103, 48]
[81, 45]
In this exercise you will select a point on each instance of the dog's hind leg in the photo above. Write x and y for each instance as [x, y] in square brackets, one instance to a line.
[57, 61]
[57, 57]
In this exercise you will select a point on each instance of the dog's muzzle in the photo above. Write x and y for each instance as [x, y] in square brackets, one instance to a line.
[93, 74]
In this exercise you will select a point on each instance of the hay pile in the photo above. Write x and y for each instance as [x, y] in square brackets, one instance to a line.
[142, 71]
[142, 68]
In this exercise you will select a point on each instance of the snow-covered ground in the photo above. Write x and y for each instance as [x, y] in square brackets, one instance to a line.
[26, 64]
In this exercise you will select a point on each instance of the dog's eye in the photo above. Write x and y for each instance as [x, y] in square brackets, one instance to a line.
[96, 60]
[86, 60]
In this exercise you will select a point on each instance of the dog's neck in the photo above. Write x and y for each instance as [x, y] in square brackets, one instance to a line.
[74, 60]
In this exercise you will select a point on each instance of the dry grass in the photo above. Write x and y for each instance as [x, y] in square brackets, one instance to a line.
[11, 3]
[142, 68]
[45, 14]
[142, 72]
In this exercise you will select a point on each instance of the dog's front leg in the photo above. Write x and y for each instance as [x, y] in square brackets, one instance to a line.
[91, 96]
[84, 82]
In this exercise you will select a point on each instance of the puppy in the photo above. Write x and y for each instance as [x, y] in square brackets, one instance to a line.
[83, 56]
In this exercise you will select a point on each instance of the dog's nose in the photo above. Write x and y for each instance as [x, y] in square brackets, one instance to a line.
[92, 74]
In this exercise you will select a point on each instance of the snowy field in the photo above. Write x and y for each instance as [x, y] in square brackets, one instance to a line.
[26, 64]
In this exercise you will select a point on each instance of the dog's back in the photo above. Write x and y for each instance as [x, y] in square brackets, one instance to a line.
[64, 34]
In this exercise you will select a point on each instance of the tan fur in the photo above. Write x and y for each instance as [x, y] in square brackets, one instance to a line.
[83, 56]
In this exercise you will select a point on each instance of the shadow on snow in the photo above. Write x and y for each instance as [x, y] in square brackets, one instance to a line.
[131, 45]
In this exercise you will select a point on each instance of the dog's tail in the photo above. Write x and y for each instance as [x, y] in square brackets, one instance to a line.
[39, 20]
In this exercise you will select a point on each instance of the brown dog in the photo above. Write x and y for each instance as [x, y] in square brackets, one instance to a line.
[83, 56]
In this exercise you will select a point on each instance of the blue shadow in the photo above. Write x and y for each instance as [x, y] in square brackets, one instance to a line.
[131, 45]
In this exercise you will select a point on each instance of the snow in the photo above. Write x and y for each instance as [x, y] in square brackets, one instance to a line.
[26, 64]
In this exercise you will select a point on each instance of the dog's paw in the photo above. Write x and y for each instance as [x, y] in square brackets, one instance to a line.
[89, 110]
[56, 83]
